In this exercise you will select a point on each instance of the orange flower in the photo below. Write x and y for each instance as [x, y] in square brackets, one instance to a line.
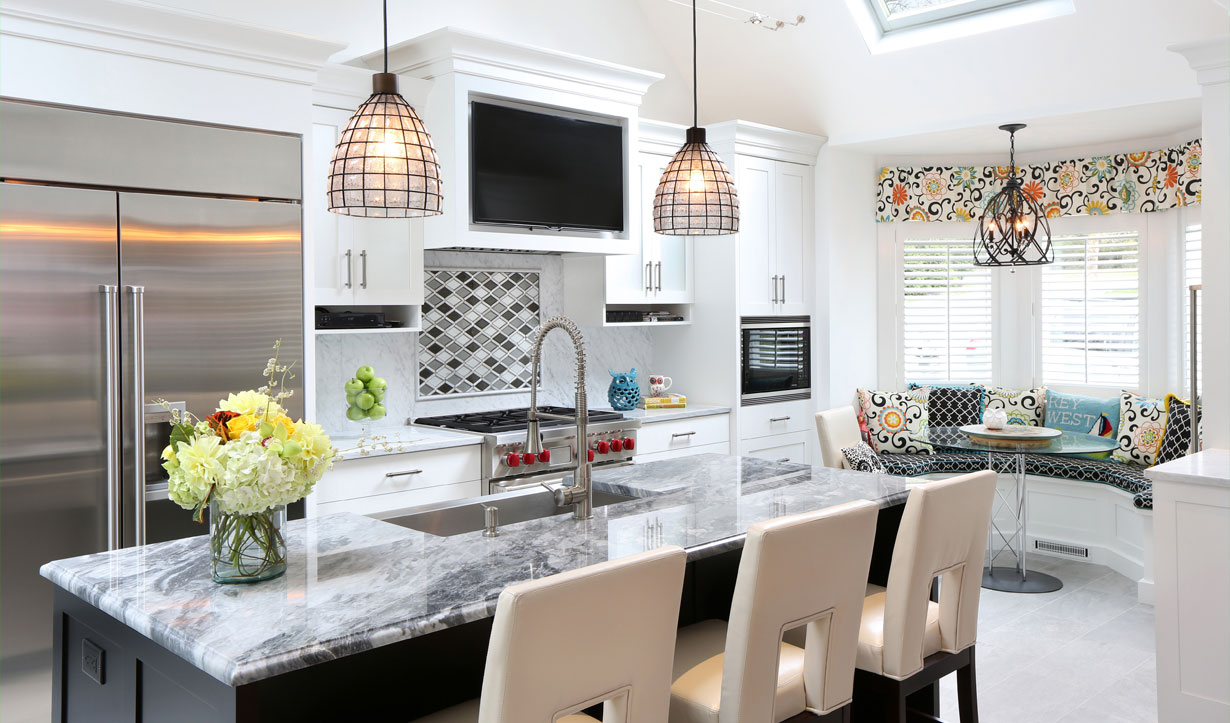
[899, 195]
[1033, 189]
[1172, 176]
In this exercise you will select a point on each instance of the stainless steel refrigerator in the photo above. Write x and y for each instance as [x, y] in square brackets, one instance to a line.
[121, 283]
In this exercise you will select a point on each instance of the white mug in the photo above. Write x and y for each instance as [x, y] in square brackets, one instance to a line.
[658, 384]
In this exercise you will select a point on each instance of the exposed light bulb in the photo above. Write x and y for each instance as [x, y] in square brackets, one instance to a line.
[696, 181]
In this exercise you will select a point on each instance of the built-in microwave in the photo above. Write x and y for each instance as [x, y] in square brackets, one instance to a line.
[775, 359]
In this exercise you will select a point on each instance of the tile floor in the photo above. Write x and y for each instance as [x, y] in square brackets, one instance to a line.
[1083, 654]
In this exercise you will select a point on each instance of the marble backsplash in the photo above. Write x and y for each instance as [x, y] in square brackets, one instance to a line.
[394, 355]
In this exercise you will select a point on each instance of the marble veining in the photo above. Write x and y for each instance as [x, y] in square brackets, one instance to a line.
[354, 583]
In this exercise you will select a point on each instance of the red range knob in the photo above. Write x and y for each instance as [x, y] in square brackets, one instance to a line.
[604, 447]
[514, 459]
[528, 458]
[629, 443]
[590, 454]
[617, 445]
[544, 456]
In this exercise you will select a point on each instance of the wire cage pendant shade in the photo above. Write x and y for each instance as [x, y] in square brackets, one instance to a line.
[696, 195]
[1013, 230]
[384, 164]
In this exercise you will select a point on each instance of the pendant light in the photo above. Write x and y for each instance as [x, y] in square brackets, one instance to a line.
[696, 196]
[1013, 230]
[384, 165]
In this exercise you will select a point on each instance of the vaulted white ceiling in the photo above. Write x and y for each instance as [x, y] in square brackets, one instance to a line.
[1101, 70]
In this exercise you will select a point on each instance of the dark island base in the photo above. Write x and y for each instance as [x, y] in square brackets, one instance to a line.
[109, 672]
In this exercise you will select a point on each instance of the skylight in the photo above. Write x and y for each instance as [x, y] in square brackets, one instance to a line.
[896, 24]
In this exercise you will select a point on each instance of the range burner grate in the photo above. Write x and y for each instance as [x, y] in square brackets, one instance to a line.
[509, 420]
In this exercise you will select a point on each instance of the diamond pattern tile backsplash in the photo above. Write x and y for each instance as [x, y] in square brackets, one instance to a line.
[478, 328]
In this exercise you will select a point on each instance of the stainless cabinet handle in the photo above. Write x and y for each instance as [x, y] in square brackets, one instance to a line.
[658, 265]
[390, 475]
[784, 459]
[783, 288]
[114, 424]
[682, 434]
[363, 265]
[649, 277]
[775, 288]
[778, 419]
[138, 410]
[349, 269]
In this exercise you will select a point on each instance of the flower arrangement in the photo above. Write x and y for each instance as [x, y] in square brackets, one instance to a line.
[246, 462]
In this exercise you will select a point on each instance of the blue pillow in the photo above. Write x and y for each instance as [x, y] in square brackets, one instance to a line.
[1087, 415]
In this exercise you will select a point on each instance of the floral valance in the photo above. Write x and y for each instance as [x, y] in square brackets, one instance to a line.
[1121, 183]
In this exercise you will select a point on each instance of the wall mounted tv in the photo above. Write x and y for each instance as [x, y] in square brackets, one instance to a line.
[541, 170]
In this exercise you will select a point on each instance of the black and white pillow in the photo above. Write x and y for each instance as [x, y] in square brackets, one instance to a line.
[862, 458]
[1026, 407]
[1177, 439]
[954, 406]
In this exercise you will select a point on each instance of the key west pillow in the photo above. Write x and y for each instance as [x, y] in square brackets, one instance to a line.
[862, 458]
[1022, 407]
[1142, 422]
[1087, 415]
[1177, 437]
[895, 419]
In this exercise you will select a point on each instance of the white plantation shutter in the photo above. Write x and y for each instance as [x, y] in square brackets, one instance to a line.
[1090, 316]
[946, 313]
[1191, 277]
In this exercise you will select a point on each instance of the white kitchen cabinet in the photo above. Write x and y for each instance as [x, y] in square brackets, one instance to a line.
[774, 235]
[661, 271]
[359, 261]
[680, 437]
[790, 447]
[382, 483]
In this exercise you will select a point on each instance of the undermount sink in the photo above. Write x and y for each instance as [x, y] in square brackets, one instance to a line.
[460, 516]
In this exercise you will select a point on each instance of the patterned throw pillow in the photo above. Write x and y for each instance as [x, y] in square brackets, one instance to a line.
[1177, 437]
[1142, 422]
[954, 406]
[895, 419]
[1028, 407]
[862, 458]
[1087, 415]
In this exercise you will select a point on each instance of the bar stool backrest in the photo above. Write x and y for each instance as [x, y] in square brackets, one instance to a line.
[837, 429]
[943, 533]
[605, 632]
[802, 569]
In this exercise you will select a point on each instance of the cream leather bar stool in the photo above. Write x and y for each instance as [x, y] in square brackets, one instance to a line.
[601, 634]
[808, 569]
[907, 641]
[837, 429]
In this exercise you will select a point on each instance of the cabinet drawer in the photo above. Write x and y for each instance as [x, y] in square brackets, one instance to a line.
[778, 448]
[719, 448]
[762, 420]
[366, 476]
[683, 433]
[381, 506]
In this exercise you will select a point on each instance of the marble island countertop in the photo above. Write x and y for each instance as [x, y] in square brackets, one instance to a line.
[355, 583]
[401, 440]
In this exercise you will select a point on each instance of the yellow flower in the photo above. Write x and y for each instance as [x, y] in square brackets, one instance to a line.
[250, 402]
[242, 423]
[285, 421]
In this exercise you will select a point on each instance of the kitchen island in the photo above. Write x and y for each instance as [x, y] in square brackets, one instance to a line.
[375, 621]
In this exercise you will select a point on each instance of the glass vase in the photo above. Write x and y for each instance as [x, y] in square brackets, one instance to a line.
[246, 548]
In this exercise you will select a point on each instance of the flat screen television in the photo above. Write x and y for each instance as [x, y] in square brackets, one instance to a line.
[542, 170]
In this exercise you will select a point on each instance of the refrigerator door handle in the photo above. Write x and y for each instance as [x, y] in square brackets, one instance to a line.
[138, 408]
[113, 422]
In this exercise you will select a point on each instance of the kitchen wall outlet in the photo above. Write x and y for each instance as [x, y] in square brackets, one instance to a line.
[93, 661]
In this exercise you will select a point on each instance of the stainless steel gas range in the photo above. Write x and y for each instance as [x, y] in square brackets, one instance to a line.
[610, 441]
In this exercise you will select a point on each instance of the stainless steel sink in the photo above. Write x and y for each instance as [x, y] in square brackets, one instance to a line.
[460, 516]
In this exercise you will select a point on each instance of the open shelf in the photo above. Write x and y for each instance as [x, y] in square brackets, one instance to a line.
[411, 318]
[394, 330]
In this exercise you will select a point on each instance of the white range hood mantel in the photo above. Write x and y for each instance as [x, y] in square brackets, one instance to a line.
[460, 66]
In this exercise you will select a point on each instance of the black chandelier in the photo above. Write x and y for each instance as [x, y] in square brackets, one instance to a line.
[696, 195]
[1013, 230]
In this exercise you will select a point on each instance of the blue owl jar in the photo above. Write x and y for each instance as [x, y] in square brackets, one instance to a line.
[624, 393]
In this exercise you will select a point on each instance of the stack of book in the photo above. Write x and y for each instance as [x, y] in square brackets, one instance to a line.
[671, 401]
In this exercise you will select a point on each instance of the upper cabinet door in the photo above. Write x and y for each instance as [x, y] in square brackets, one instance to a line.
[670, 257]
[329, 237]
[758, 277]
[628, 276]
[387, 259]
[792, 198]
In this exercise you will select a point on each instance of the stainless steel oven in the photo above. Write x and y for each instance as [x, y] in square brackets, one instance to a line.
[775, 359]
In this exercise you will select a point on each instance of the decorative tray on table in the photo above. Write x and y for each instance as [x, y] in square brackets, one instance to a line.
[1012, 435]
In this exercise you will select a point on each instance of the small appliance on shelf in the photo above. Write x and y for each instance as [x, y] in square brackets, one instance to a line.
[638, 316]
[327, 319]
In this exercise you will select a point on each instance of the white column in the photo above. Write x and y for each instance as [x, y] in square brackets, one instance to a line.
[1211, 61]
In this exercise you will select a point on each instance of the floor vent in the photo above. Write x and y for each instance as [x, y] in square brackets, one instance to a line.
[1069, 550]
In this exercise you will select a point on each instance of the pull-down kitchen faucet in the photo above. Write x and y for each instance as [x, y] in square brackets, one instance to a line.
[580, 494]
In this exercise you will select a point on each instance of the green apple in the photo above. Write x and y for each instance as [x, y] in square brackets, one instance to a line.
[350, 398]
[376, 412]
[354, 385]
[364, 400]
[365, 373]
[377, 383]
[355, 414]
[377, 393]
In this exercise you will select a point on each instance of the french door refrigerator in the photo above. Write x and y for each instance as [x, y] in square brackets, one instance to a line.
[110, 300]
